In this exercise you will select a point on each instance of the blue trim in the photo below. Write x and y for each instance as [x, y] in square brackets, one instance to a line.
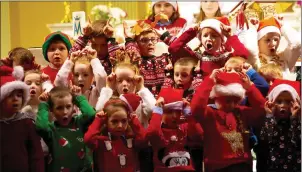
[250, 72]
[158, 110]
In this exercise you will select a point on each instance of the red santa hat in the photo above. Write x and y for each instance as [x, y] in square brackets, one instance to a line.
[214, 23]
[228, 84]
[132, 100]
[172, 98]
[173, 3]
[279, 86]
[11, 80]
[268, 25]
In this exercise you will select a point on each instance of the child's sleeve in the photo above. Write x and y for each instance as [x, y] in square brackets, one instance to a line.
[105, 95]
[43, 126]
[92, 137]
[195, 132]
[99, 73]
[63, 74]
[139, 131]
[239, 49]
[34, 149]
[154, 133]
[47, 86]
[259, 81]
[148, 101]
[87, 111]
[79, 44]
[293, 50]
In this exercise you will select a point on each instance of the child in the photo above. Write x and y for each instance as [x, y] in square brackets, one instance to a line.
[20, 145]
[116, 134]
[209, 9]
[99, 34]
[270, 72]
[211, 33]
[55, 50]
[279, 147]
[168, 136]
[20, 56]
[84, 66]
[225, 126]
[64, 136]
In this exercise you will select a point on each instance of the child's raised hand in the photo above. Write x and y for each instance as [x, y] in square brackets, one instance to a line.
[160, 31]
[132, 116]
[139, 82]
[108, 29]
[74, 56]
[111, 81]
[75, 90]
[268, 106]
[279, 19]
[246, 67]
[160, 102]
[90, 52]
[226, 30]
[134, 55]
[296, 108]
[44, 77]
[88, 28]
[255, 22]
[101, 114]
[246, 82]
[44, 97]
[215, 72]
[127, 31]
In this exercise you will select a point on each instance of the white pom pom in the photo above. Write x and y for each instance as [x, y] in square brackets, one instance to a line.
[18, 72]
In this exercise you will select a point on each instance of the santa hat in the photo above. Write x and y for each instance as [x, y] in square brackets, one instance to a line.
[11, 80]
[228, 84]
[52, 36]
[214, 23]
[279, 86]
[132, 100]
[173, 3]
[172, 98]
[268, 25]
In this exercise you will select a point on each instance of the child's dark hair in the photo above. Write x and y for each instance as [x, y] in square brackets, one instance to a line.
[98, 27]
[173, 18]
[57, 92]
[20, 54]
[202, 16]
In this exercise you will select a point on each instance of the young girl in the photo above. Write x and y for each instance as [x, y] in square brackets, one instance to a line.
[211, 33]
[84, 66]
[226, 133]
[209, 9]
[279, 147]
[115, 135]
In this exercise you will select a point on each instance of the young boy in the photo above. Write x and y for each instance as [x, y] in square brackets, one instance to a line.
[20, 145]
[64, 136]
[55, 50]
[226, 133]
[279, 147]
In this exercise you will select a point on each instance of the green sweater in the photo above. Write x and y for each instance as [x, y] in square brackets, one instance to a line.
[67, 149]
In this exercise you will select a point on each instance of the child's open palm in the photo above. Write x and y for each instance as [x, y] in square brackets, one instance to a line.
[246, 82]
[44, 97]
[108, 29]
[127, 31]
[296, 108]
[226, 30]
[90, 53]
[111, 81]
[88, 28]
[74, 56]
[268, 106]
[139, 82]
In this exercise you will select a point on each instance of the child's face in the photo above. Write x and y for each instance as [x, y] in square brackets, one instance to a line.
[99, 43]
[171, 118]
[118, 121]
[57, 53]
[211, 40]
[124, 80]
[13, 103]
[282, 105]
[33, 80]
[183, 76]
[82, 76]
[164, 7]
[233, 67]
[63, 109]
[146, 44]
[269, 44]
[227, 103]
[209, 8]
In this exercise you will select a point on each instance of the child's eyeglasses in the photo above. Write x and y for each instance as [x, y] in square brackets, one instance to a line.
[147, 40]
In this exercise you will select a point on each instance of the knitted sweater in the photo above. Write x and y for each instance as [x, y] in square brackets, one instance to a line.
[119, 154]
[174, 28]
[67, 149]
[225, 141]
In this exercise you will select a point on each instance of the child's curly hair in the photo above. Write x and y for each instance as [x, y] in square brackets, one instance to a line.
[98, 27]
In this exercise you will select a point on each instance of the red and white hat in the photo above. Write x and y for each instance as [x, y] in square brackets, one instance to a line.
[10, 80]
[173, 3]
[214, 23]
[172, 98]
[279, 86]
[228, 84]
[132, 100]
[268, 25]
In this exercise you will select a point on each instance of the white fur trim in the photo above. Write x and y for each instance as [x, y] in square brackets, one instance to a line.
[173, 3]
[148, 99]
[175, 155]
[18, 72]
[175, 105]
[47, 86]
[267, 30]
[126, 101]
[211, 23]
[9, 87]
[229, 90]
[105, 95]
[279, 89]
[62, 75]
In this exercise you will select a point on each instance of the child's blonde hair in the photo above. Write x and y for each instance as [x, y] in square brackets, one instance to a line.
[82, 60]
[270, 70]
[36, 71]
[186, 61]
[235, 60]
[202, 16]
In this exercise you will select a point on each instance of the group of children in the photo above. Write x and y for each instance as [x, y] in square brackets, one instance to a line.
[98, 106]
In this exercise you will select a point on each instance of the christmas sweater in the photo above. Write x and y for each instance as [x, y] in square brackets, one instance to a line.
[20, 145]
[115, 154]
[99, 76]
[170, 153]
[143, 111]
[174, 28]
[208, 62]
[279, 148]
[226, 141]
[82, 42]
[67, 149]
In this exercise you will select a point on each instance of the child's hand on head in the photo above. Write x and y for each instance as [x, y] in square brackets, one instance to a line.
[160, 102]
[127, 31]
[74, 56]
[139, 82]
[134, 56]
[44, 97]
[101, 114]
[226, 30]
[246, 67]
[111, 81]
[246, 82]
[75, 90]
[90, 53]
[132, 116]
[87, 30]
[279, 19]
[269, 107]
[215, 72]
[44, 77]
[108, 29]
[160, 31]
[296, 108]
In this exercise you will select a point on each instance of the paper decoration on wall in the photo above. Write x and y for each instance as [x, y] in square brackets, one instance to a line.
[78, 22]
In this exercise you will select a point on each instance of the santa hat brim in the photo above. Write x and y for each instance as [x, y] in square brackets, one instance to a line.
[174, 4]
[9, 87]
[281, 88]
[266, 30]
[229, 90]
[210, 23]
[174, 105]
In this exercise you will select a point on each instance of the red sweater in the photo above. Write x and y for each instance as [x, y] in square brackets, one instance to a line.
[20, 147]
[173, 28]
[170, 155]
[51, 72]
[224, 144]
[121, 157]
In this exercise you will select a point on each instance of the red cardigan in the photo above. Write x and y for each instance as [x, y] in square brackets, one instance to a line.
[224, 145]
[121, 157]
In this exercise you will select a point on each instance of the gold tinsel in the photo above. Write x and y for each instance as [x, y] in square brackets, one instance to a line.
[67, 16]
